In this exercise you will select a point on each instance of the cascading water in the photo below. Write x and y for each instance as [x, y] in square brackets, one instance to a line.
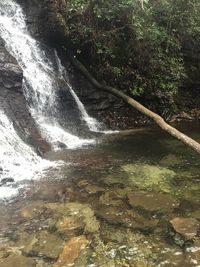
[39, 75]
[17, 160]
[92, 123]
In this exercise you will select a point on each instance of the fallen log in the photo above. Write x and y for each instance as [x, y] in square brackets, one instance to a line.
[135, 104]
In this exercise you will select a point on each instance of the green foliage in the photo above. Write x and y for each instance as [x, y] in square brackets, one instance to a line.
[141, 47]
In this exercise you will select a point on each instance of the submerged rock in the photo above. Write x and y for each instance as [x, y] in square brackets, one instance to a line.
[111, 198]
[183, 230]
[127, 218]
[17, 260]
[93, 189]
[32, 210]
[170, 160]
[152, 202]
[77, 211]
[47, 245]
[71, 223]
[149, 177]
[71, 251]
[42, 244]
[122, 247]
[90, 188]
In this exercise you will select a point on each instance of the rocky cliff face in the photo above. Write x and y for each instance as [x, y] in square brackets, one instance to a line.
[13, 102]
[45, 19]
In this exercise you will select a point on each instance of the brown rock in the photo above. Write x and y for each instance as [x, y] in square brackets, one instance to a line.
[71, 251]
[153, 202]
[17, 260]
[128, 218]
[69, 223]
[183, 229]
[93, 189]
[111, 198]
[47, 245]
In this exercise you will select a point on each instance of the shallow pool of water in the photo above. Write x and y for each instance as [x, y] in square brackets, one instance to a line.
[131, 200]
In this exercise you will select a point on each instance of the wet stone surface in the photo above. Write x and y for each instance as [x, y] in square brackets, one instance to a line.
[153, 202]
[184, 230]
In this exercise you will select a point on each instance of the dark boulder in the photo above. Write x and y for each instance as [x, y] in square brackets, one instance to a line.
[13, 102]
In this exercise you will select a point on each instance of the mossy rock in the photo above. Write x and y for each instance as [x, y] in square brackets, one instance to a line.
[171, 160]
[77, 211]
[149, 177]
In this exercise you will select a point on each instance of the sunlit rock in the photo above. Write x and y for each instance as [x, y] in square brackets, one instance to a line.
[71, 251]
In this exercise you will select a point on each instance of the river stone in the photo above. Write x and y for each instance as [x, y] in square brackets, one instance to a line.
[183, 230]
[83, 183]
[47, 245]
[93, 189]
[41, 244]
[32, 210]
[26, 243]
[111, 198]
[6, 180]
[71, 251]
[127, 218]
[170, 160]
[79, 211]
[17, 261]
[152, 202]
[149, 177]
[70, 223]
[4, 251]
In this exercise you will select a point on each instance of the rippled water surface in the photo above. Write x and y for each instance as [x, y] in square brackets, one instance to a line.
[131, 200]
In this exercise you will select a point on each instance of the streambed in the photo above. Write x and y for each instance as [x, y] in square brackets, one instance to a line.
[131, 200]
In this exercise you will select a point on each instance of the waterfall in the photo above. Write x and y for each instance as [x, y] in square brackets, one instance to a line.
[40, 81]
[91, 122]
[17, 160]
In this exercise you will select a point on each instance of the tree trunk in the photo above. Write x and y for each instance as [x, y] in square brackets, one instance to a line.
[155, 117]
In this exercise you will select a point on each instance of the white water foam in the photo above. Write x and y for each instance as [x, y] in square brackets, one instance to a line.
[17, 160]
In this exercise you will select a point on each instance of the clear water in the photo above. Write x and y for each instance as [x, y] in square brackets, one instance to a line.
[90, 198]
[93, 196]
